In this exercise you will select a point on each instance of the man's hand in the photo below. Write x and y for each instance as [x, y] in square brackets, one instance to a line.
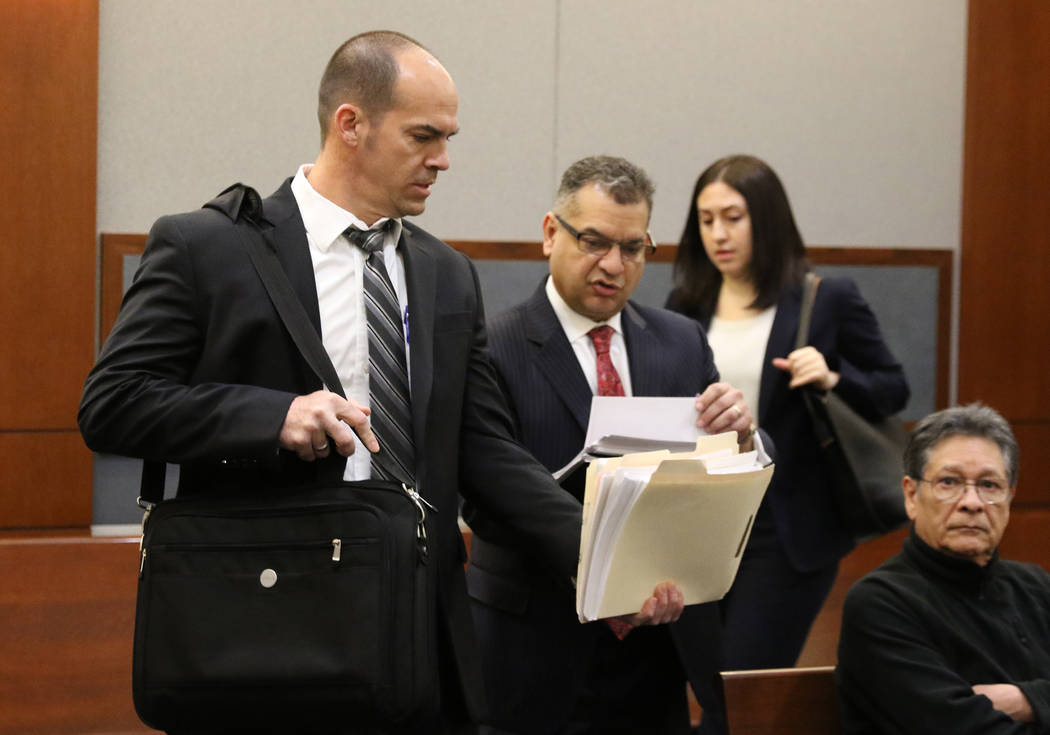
[1009, 699]
[315, 419]
[721, 407]
[665, 606]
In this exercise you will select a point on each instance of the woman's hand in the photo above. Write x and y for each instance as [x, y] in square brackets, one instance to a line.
[807, 366]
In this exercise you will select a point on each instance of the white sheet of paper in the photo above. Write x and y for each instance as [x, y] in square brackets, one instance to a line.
[643, 417]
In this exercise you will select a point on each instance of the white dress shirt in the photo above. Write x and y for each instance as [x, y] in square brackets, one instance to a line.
[577, 326]
[338, 274]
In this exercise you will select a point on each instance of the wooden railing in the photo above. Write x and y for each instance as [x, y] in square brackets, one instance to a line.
[115, 246]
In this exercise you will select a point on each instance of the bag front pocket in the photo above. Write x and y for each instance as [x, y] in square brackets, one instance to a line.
[298, 593]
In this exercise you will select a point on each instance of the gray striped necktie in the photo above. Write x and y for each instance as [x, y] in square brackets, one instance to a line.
[387, 372]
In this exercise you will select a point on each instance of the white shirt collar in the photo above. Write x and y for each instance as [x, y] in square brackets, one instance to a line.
[576, 325]
[325, 220]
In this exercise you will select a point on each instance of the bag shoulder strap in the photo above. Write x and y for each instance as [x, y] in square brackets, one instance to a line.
[809, 295]
[821, 427]
[289, 308]
[243, 205]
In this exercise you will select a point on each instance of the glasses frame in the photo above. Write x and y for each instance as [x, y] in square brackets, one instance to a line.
[965, 485]
[643, 253]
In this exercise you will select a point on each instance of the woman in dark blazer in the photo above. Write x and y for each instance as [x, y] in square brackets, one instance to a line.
[739, 271]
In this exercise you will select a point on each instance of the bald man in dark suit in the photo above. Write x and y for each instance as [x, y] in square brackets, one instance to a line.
[200, 371]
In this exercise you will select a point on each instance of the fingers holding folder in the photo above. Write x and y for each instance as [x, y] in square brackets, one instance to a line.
[664, 606]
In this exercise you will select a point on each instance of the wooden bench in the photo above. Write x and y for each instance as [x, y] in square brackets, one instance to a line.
[798, 701]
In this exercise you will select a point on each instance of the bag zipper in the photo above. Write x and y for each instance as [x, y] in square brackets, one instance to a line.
[421, 528]
[422, 544]
[336, 545]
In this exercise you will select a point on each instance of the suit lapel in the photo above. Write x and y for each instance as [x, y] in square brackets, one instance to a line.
[781, 343]
[643, 354]
[287, 234]
[421, 284]
[555, 357]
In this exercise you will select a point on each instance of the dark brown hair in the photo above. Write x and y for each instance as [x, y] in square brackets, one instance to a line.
[778, 256]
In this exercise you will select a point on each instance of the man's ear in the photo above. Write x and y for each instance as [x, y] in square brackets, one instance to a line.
[910, 488]
[550, 227]
[349, 123]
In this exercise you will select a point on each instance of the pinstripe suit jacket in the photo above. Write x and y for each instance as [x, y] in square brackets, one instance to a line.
[550, 400]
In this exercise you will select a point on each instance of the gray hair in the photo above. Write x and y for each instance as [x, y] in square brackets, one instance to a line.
[625, 182]
[975, 420]
[363, 71]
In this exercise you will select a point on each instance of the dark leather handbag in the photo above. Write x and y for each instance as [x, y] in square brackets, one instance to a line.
[864, 457]
[305, 611]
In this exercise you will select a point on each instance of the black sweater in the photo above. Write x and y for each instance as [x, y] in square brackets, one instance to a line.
[922, 629]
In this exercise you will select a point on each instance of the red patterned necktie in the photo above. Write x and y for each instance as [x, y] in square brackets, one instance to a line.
[608, 385]
[608, 379]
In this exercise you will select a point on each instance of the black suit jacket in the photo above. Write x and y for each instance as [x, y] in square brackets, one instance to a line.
[200, 371]
[550, 400]
[844, 329]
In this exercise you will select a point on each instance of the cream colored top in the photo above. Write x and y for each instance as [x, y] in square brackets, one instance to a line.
[740, 349]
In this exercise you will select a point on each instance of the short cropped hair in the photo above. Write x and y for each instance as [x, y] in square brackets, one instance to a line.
[364, 71]
[975, 420]
[625, 182]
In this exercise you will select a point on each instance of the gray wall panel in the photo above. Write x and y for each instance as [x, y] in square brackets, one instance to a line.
[858, 105]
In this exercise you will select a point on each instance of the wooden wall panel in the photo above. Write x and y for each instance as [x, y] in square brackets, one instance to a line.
[68, 611]
[48, 133]
[45, 479]
[48, 141]
[1033, 487]
[1004, 335]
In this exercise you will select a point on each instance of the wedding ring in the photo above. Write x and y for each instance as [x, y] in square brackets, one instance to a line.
[321, 448]
[739, 413]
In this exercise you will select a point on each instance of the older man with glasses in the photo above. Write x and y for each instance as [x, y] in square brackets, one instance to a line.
[946, 637]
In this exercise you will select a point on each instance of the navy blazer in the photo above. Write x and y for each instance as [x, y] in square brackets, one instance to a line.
[845, 331]
[550, 400]
[200, 371]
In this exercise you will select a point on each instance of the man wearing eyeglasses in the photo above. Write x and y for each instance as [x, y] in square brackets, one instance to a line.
[577, 336]
[946, 637]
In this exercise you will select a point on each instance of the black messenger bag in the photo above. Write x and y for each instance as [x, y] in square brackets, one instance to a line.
[284, 613]
[296, 611]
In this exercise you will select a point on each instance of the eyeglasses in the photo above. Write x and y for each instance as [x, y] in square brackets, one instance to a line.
[990, 490]
[595, 245]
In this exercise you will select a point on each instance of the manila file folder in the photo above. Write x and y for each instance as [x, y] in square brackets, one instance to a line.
[688, 522]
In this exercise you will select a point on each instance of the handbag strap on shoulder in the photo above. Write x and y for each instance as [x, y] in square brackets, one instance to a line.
[810, 396]
[809, 295]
